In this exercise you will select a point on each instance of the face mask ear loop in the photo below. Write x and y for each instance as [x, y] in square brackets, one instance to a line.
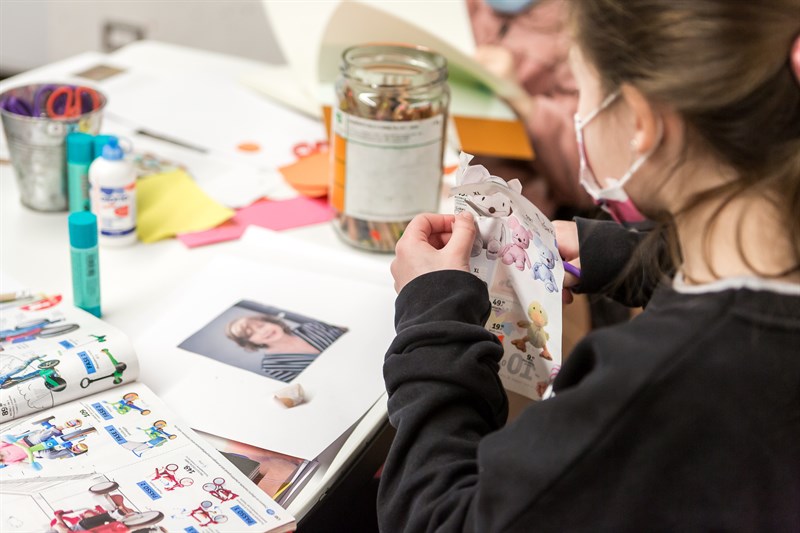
[581, 123]
[642, 158]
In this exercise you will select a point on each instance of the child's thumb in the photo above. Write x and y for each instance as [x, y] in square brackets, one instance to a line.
[463, 236]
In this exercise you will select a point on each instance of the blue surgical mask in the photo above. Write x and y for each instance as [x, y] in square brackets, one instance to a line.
[613, 198]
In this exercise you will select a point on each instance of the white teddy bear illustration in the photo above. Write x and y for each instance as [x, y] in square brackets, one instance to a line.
[491, 210]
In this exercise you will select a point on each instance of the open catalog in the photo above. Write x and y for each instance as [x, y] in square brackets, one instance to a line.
[84, 447]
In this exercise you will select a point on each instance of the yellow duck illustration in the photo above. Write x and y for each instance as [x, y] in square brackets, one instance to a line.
[536, 334]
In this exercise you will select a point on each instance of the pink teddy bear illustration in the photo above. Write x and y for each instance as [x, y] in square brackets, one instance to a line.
[514, 252]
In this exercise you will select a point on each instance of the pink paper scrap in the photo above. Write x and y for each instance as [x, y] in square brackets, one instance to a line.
[274, 215]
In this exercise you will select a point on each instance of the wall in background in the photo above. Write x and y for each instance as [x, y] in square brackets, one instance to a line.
[37, 32]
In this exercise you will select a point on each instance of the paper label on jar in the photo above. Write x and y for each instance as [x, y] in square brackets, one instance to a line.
[384, 170]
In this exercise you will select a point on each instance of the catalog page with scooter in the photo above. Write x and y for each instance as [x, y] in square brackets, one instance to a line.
[52, 353]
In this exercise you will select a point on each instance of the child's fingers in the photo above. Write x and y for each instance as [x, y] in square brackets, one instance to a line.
[463, 235]
[567, 238]
[423, 226]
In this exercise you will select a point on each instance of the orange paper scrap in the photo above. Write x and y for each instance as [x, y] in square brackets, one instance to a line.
[309, 175]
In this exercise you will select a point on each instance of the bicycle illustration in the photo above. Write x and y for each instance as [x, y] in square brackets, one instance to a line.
[216, 488]
[168, 479]
[209, 513]
[126, 405]
[44, 369]
[156, 437]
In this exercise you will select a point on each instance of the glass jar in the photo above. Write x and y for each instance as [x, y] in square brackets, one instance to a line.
[388, 138]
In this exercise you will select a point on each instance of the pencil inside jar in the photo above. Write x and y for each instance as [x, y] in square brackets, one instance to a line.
[388, 138]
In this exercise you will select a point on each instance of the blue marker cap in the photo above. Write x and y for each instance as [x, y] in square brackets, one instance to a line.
[82, 229]
[112, 150]
[99, 143]
[79, 148]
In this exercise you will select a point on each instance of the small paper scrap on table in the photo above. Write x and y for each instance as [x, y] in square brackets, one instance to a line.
[291, 396]
[515, 253]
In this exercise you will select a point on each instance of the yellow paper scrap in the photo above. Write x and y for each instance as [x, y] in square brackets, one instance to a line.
[172, 203]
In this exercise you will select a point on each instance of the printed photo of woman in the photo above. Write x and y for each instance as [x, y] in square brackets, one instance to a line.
[267, 340]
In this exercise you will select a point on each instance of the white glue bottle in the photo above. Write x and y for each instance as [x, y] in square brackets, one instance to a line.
[113, 195]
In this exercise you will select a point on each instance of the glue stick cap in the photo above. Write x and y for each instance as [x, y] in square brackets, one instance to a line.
[80, 147]
[82, 229]
[99, 143]
[112, 150]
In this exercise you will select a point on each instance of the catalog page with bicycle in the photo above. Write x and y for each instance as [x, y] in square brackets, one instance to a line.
[120, 460]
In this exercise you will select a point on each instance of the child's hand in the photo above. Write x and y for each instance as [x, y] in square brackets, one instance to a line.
[433, 242]
[567, 238]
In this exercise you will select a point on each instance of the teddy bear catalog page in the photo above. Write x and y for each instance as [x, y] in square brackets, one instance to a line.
[515, 253]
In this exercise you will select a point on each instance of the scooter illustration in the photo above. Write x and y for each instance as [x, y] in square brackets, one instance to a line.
[119, 368]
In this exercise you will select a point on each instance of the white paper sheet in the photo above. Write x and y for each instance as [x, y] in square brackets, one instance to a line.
[217, 115]
[312, 36]
[340, 385]
[261, 244]
[215, 174]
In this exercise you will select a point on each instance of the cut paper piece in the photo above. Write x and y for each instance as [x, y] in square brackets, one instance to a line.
[268, 214]
[309, 175]
[291, 396]
[498, 138]
[249, 147]
[171, 203]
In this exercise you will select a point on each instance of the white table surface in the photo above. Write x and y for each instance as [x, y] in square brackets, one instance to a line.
[34, 250]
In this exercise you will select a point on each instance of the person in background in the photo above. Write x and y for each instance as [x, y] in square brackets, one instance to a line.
[527, 41]
[686, 418]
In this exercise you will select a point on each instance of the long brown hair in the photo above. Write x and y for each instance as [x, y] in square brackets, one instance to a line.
[724, 66]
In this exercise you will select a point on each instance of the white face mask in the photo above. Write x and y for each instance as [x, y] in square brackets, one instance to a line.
[613, 198]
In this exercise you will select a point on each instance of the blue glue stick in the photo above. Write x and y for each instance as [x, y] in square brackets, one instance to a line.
[85, 263]
[80, 150]
[100, 141]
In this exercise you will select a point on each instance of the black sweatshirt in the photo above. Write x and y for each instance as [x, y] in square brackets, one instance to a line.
[687, 418]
